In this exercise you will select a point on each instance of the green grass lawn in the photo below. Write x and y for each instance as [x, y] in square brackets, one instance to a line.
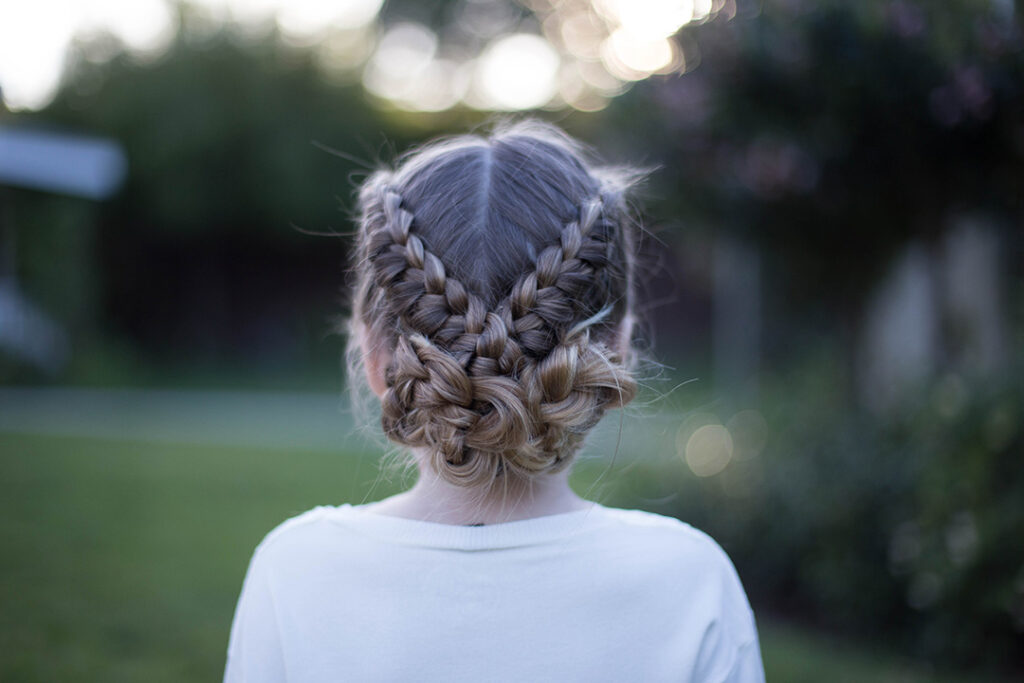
[122, 561]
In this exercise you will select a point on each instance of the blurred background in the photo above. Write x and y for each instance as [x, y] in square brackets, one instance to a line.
[833, 293]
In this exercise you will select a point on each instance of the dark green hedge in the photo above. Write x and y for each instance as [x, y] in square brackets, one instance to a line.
[906, 529]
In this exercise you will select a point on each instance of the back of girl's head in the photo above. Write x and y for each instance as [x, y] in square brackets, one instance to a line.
[494, 285]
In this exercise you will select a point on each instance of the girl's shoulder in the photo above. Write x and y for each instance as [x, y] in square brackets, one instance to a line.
[669, 534]
[307, 529]
[597, 529]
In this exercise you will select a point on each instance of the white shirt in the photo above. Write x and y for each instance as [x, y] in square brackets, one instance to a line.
[601, 594]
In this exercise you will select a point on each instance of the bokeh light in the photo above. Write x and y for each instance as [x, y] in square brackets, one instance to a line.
[626, 41]
[631, 57]
[403, 70]
[517, 72]
[35, 37]
[708, 446]
[692, 422]
[708, 450]
[585, 53]
[581, 32]
[653, 18]
[312, 17]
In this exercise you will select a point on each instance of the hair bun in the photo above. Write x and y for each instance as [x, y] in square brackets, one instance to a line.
[476, 427]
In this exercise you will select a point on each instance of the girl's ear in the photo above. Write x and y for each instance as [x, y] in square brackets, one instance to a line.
[375, 361]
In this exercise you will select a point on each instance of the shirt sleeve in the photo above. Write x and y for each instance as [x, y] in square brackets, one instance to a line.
[731, 652]
[255, 653]
[747, 666]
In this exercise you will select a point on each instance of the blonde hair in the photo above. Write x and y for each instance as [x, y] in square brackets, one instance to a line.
[496, 273]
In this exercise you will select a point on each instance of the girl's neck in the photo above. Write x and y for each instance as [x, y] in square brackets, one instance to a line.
[433, 499]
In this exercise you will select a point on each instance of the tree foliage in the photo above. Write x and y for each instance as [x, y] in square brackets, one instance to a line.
[832, 132]
[229, 139]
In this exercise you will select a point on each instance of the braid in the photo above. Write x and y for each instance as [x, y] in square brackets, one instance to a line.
[555, 294]
[459, 380]
[509, 388]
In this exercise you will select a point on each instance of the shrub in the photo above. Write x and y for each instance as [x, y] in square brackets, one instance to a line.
[906, 528]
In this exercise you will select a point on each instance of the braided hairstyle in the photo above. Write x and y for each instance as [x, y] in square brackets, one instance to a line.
[495, 277]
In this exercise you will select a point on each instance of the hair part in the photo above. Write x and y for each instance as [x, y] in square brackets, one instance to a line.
[495, 275]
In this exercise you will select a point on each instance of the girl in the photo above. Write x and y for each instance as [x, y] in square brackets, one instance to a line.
[493, 319]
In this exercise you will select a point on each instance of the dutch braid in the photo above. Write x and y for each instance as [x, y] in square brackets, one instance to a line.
[459, 381]
[510, 389]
